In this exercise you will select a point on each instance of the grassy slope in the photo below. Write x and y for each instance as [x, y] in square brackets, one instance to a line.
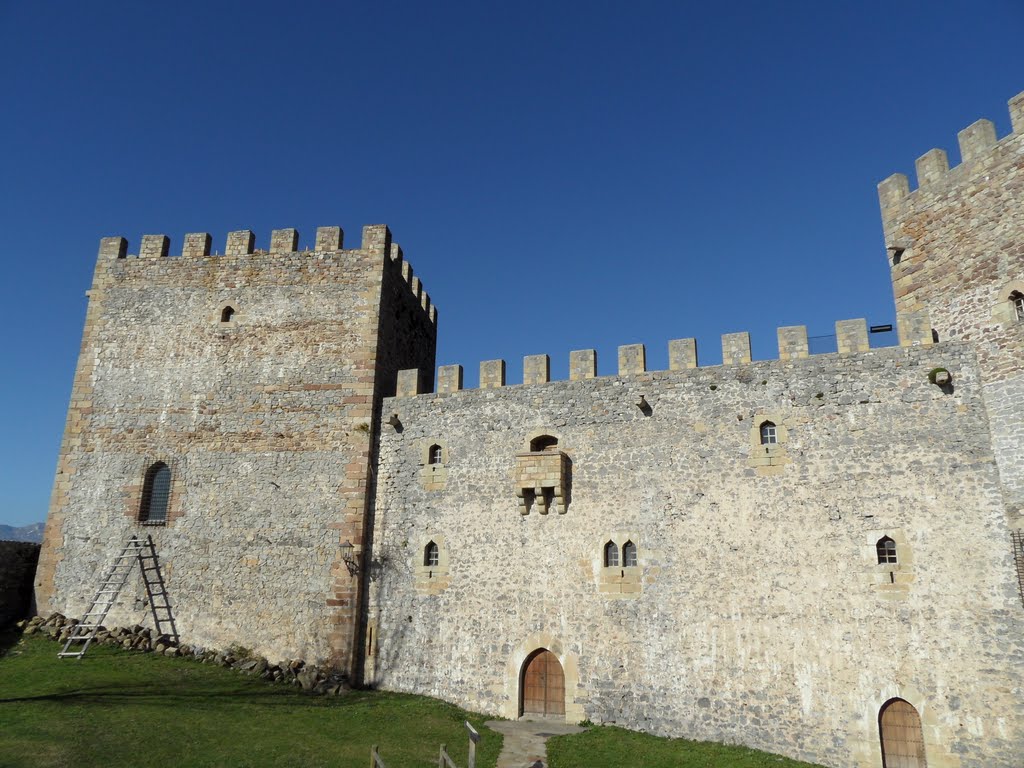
[116, 708]
[618, 748]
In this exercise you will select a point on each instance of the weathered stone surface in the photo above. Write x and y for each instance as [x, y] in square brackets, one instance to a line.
[267, 424]
[755, 593]
[753, 495]
[959, 244]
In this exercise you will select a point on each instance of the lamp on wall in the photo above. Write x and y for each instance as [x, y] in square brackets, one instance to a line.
[349, 557]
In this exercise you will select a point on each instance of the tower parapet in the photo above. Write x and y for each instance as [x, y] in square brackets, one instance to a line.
[955, 247]
[283, 243]
[978, 143]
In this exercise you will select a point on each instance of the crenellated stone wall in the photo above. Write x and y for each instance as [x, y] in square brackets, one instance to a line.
[327, 504]
[758, 613]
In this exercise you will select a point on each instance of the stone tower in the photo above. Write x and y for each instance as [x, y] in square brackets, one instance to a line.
[256, 377]
[956, 250]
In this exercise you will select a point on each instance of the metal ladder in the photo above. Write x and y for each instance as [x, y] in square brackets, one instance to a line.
[135, 550]
[1017, 538]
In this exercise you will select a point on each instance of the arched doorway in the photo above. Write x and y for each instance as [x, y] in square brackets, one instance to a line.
[542, 685]
[899, 726]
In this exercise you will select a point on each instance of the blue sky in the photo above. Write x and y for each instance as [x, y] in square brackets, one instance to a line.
[561, 175]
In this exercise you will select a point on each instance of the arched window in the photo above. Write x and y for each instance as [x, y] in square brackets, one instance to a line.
[886, 549]
[769, 435]
[431, 555]
[435, 454]
[899, 728]
[226, 314]
[1017, 301]
[543, 443]
[629, 554]
[156, 492]
[611, 555]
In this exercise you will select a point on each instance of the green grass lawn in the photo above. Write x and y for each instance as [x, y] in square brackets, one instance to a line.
[121, 708]
[619, 748]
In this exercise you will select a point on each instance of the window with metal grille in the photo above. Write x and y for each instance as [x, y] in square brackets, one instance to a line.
[629, 554]
[226, 314]
[886, 549]
[431, 555]
[769, 436]
[156, 493]
[435, 454]
[611, 555]
[1017, 299]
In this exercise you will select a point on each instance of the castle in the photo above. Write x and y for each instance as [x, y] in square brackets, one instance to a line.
[816, 555]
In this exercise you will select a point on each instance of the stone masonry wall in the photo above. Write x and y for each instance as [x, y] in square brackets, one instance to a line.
[266, 422]
[17, 568]
[956, 249]
[758, 613]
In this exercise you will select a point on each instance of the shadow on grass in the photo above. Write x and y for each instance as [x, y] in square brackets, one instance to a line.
[125, 694]
[9, 637]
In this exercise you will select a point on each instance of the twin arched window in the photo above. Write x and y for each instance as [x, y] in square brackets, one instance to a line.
[611, 555]
[156, 494]
[769, 433]
[886, 550]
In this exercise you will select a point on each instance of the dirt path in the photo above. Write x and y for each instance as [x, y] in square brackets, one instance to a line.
[524, 741]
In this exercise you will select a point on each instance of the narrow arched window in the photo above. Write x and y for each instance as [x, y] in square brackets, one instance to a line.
[886, 549]
[431, 555]
[629, 554]
[1017, 301]
[435, 454]
[543, 443]
[226, 314]
[611, 555]
[769, 434]
[156, 493]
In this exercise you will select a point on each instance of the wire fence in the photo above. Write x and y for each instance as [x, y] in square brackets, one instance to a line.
[823, 345]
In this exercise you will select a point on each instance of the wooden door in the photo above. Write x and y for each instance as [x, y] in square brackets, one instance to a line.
[543, 685]
[902, 738]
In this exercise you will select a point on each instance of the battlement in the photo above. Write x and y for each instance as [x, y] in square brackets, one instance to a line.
[977, 143]
[914, 330]
[241, 244]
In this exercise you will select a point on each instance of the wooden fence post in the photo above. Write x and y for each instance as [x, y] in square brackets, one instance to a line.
[474, 737]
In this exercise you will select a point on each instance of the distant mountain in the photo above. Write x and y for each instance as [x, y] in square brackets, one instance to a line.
[32, 532]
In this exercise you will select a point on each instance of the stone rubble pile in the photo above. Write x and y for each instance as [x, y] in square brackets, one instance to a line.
[309, 677]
